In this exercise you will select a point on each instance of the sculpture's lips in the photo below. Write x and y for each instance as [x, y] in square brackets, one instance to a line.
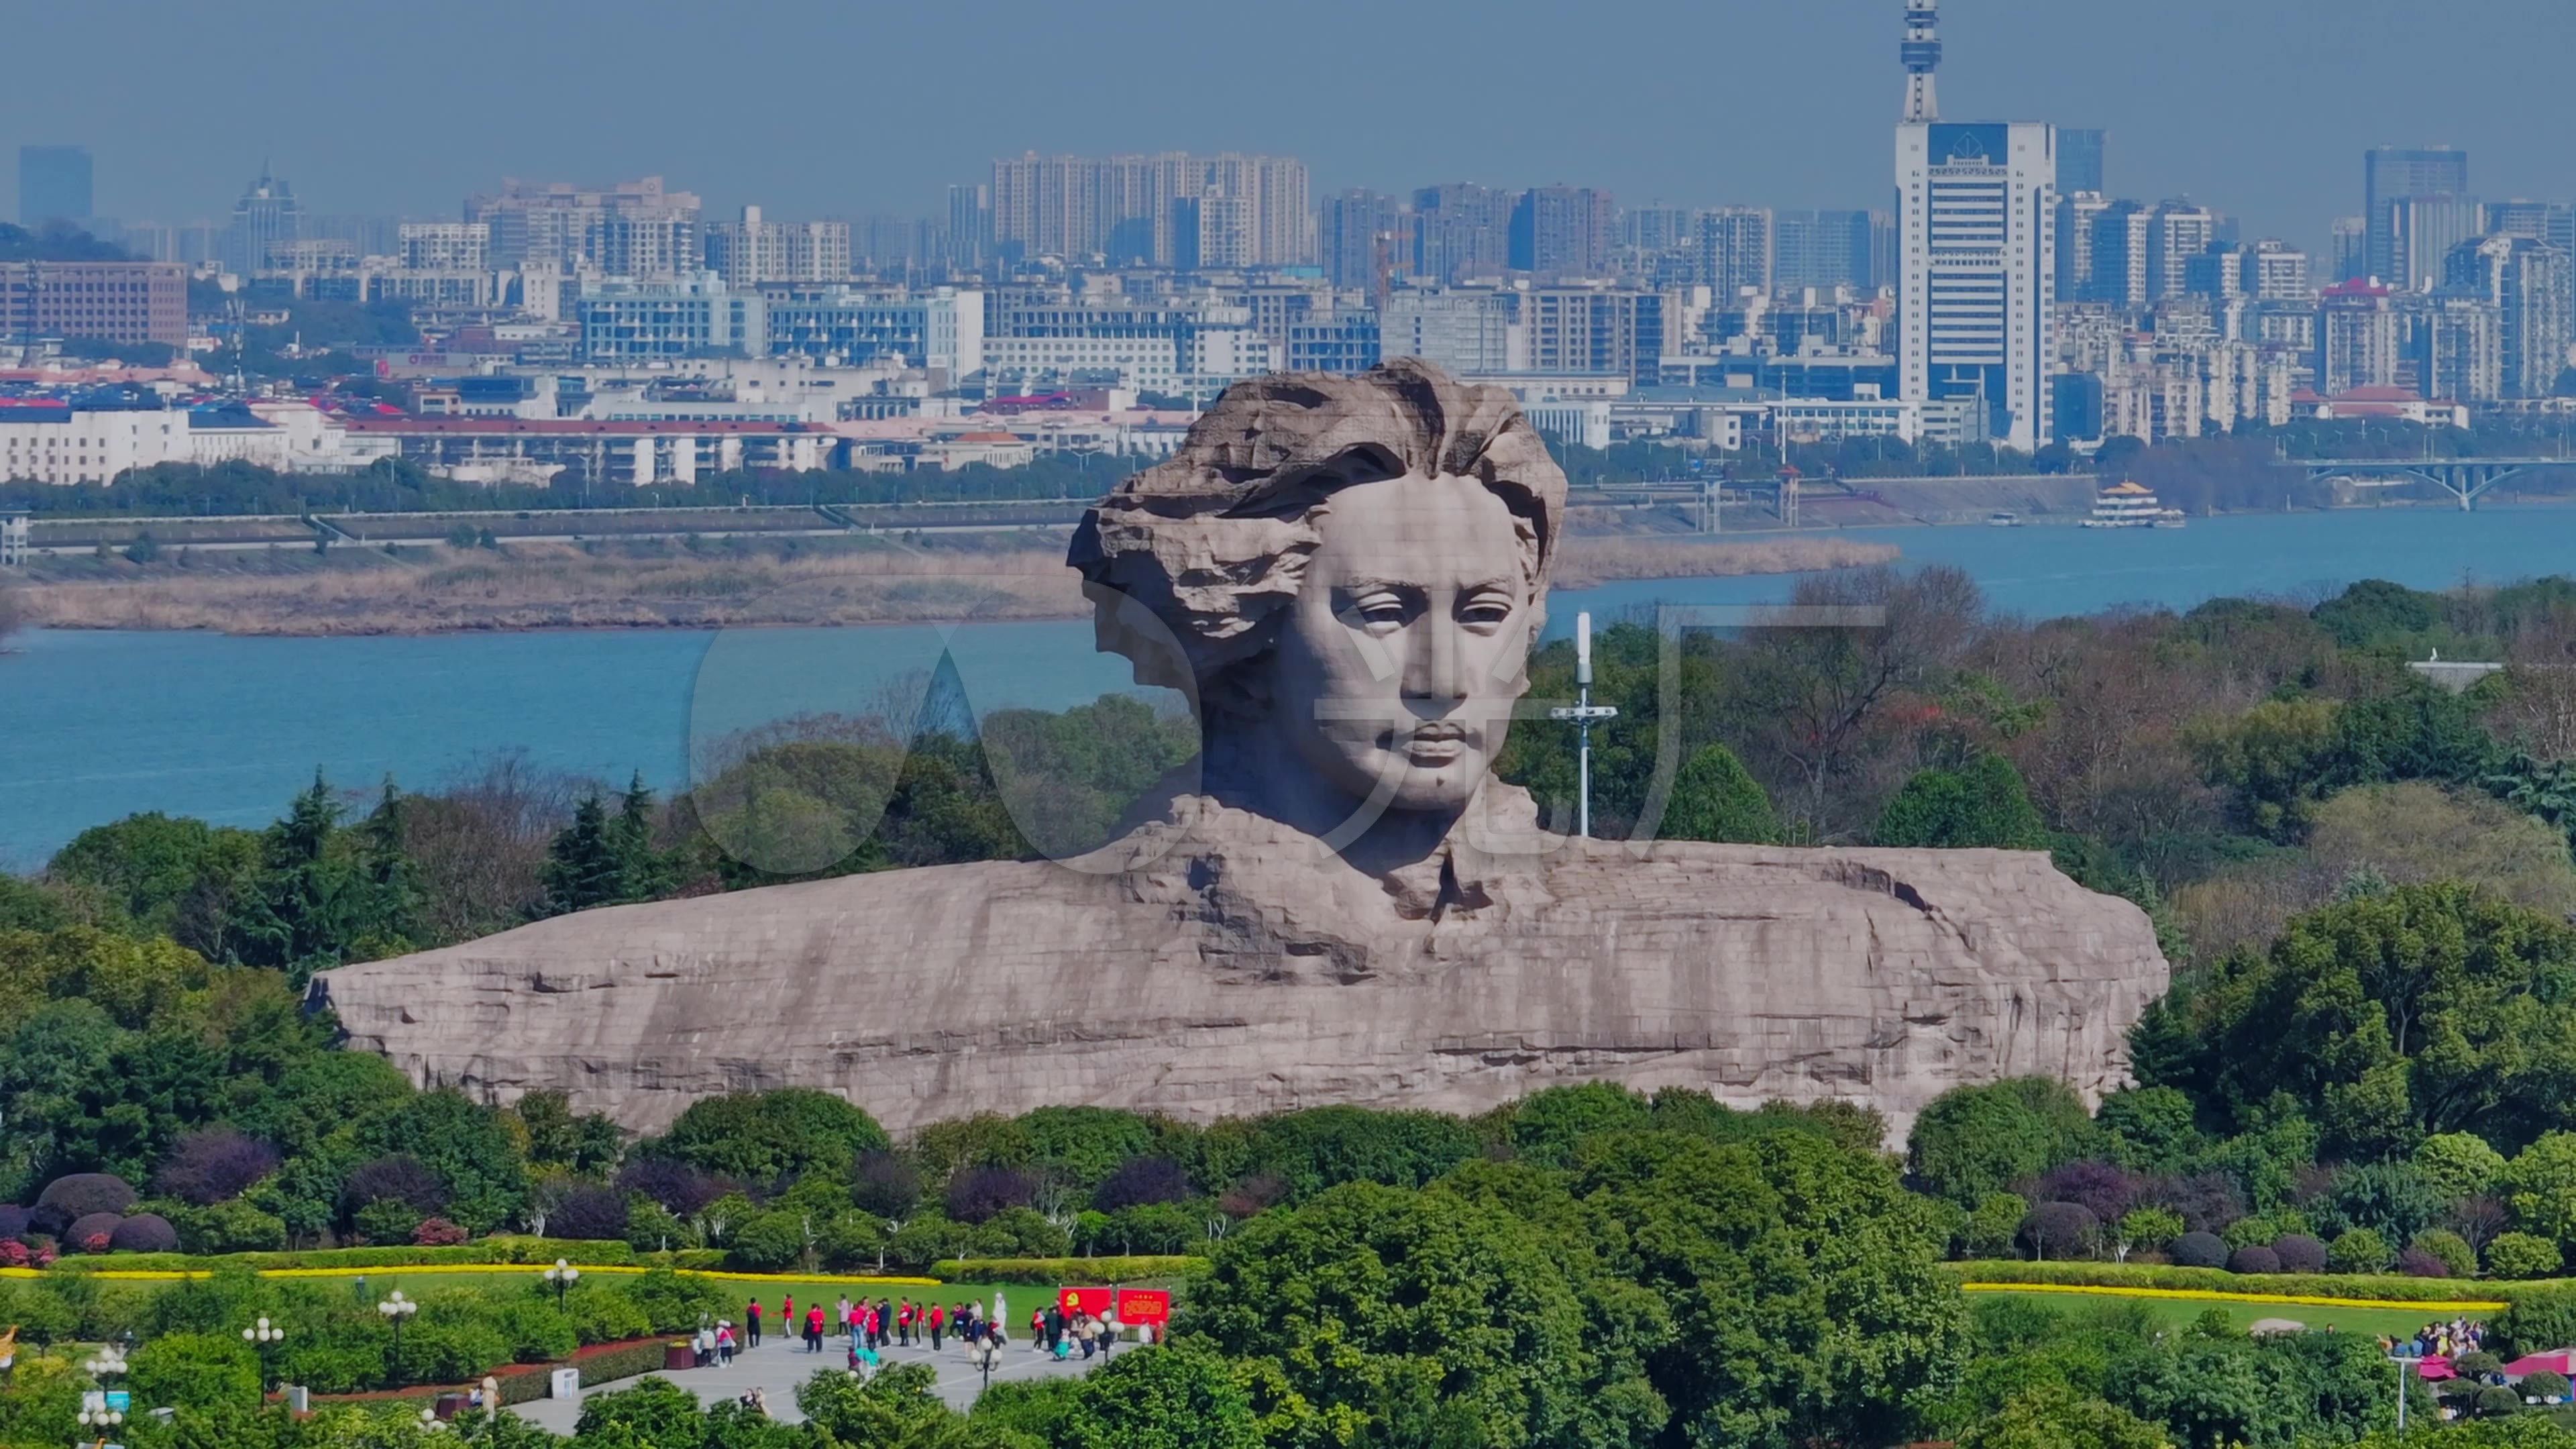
[1436, 742]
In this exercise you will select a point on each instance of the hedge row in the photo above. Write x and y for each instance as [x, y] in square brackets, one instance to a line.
[1053, 1272]
[491, 1252]
[612, 1361]
[2386, 1287]
[497, 1251]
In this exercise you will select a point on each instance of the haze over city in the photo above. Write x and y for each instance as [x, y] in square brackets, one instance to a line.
[2257, 107]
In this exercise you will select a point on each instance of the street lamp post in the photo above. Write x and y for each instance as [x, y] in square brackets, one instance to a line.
[263, 1337]
[396, 1308]
[562, 1275]
[982, 1353]
[1109, 1340]
[97, 1409]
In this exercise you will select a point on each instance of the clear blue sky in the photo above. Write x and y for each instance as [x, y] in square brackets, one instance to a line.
[2258, 107]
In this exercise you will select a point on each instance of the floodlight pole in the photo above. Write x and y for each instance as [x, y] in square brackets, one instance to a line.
[1583, 714]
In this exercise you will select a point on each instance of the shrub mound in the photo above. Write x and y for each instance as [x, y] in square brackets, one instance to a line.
[87, 1194]
[2198, 1250]
[144, 1233]
[92, 1232]
[2299, 1253]
[1054, 1272]
[2254, 1260]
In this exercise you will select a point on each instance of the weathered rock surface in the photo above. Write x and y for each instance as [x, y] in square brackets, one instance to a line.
[1232, 971]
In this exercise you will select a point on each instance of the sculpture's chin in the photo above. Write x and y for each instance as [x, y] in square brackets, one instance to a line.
[1446, 787]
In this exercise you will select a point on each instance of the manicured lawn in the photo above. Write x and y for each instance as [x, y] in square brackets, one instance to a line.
[2179, 1312]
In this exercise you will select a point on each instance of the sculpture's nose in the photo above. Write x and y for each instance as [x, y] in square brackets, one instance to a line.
[1435, 670]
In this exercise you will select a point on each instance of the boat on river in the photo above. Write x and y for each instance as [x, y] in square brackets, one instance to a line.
[2128, 504]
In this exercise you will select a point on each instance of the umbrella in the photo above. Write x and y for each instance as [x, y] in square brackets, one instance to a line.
[2434, 1367]
[2555, 1361]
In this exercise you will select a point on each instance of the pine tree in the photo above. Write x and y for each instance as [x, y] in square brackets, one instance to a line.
[391, 913]
[1715, 798]
[583, 864]
[646, 874]
[300, 913]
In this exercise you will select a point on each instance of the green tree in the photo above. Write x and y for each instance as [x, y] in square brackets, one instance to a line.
[1984, 805]
[2418, 1010]
[1160, 1398]
[763, 1136]
[2459, 1164]
[2055, 1418]
[194, 1370]
[1972, 1141]
[1716, 798]
[1364, 1285]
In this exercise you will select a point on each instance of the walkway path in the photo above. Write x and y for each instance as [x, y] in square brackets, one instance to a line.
[779, 1365]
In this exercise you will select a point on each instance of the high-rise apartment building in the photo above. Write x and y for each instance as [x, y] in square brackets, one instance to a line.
[636, 229]
[2278, 272]
[2423, 231]
[2120, 268]
[1980, 256]
[1367, 240]
[54, 185]
[1655, 228]
[1465, 329]
[2351, 255]
[1171, 209]
[1732, 250]
[1564, 230]
[752, 250]
[1822, 249]
[446, 246]
[266, 214]
[2178, 232]
[1461, 231]
[2392, 175]
[2079, 161]
[2526, 281]
[970, 225]
[2076, 212]
[1594, 329]
[2457, 347]
[2357, 338]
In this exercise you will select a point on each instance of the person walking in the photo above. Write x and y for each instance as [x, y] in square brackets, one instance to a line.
[724, 1344]
[841, 1315]
[885, 1322]
[751, 1322]
[814, 1329]
[787, 1313]
[938, 1326]
[903, 1324]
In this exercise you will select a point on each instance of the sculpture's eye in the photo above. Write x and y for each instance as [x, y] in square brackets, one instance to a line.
[1486, 609]
[1379, 610]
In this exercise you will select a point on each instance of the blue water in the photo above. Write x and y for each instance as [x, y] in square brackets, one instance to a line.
[94, 726]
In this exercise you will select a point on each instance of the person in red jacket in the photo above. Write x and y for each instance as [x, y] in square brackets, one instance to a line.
[787, 1313]
[903, 1323]
[938, 1326]
[814, 1329]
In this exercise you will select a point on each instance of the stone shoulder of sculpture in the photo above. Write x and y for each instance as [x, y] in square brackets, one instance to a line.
[1348, 574]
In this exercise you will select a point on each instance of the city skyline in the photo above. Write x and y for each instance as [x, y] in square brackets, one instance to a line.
[2271, 142]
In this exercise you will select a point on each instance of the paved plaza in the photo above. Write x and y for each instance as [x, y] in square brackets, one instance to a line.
[780, 1364]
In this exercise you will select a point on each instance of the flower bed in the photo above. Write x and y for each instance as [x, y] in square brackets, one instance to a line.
[1054, 1271]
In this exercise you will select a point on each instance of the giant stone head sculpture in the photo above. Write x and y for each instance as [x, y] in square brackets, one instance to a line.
[1348, 572]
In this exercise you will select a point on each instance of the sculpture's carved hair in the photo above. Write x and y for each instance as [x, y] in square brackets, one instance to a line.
[1189, 564]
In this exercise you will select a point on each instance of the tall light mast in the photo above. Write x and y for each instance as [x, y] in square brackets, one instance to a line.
[1922, 52]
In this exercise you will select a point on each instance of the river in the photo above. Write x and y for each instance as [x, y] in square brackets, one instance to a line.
[94, 726]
